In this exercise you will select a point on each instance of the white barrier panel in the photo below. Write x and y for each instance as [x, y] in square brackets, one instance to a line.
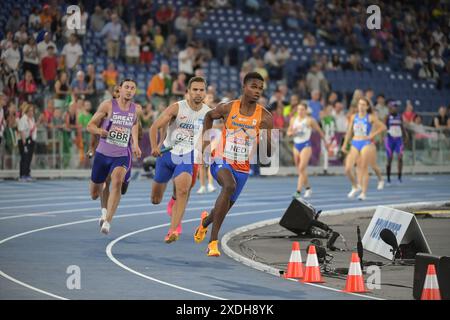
[403, 224]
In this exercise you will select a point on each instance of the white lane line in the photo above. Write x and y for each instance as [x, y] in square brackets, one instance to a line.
[45, 213]
[31, 287]
[80, 222]
[124, 199]
[136, 196]
[126, 268]
[123, 266]
[328, 199]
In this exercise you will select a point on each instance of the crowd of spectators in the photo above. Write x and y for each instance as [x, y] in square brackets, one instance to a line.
[42, 60]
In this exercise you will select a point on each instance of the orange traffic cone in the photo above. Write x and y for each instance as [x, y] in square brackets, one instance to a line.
[355, 280]
[431, 287]
[295, 265]
[312, 272]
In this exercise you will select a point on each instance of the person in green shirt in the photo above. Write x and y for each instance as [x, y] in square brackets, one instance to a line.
[84, 116]
[291, 109]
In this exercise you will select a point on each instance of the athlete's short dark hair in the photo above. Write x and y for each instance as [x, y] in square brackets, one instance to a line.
[253, 75]
[127, 79]
[196, 79]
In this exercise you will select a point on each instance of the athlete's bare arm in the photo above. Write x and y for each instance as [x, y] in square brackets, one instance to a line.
[290, 130]
[135, 133]
[102, 112]
[349, 134]
[378, 125]
[313, 124]
[163, 120]
[220, 112]
[267, 125]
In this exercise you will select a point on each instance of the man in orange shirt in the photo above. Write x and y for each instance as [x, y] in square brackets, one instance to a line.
[159, 88]
[230, 167]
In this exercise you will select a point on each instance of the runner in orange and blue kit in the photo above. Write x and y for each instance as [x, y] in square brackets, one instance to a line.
[243, 120]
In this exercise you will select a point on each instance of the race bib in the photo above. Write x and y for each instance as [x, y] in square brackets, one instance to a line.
[119, 136]
[237, 150]
[395, 131]
[359, 129]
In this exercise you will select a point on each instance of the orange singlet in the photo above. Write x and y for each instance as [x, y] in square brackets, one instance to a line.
[240, 136]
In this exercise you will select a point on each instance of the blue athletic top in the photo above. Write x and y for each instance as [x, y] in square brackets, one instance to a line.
[361, 126]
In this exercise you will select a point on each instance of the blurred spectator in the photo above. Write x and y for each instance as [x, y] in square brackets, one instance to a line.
[3, 105]
[46, 16]
[158, 39]
[354, 63]
[84, 116]
[79, 85]
[112, 32]
[340, 118]
[278, 119]
[27, 87]
[290, 109]
[261, 69]
[381, 108]
[146, 117]
[46, 116]
[160, 86]
[42, 47]
[146, 49]
[271, 61]
[332, 98]
[170, 48]
[377, 54]
[49, 68]
[277, 100]
[164, 18]
[301, 89]
[186, 61]
[203, 55]
[90, 77]
[34, 20]
[283, 55]
[21, 35]
[72, 132]
[245, 68]
[409, 114]
[182, 24]
[72, 53]
[316, 81]
[179, 86]
[83, 25]
[132, 44]
[266, 41]
[62, 90]
[428, 72]
[97, 19]
[110, 75]
[437, 61]
[15, 21]
[10, 133]
[11, 91]
[144, 11]
[309, 40]
[314, 105]
[27, 137]
[334, 63]
[11, 57]
[412, 60]
[31, 58]
[369, 94]
[7, 42]
[357, 94]
[420, 131]
[441, 121]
